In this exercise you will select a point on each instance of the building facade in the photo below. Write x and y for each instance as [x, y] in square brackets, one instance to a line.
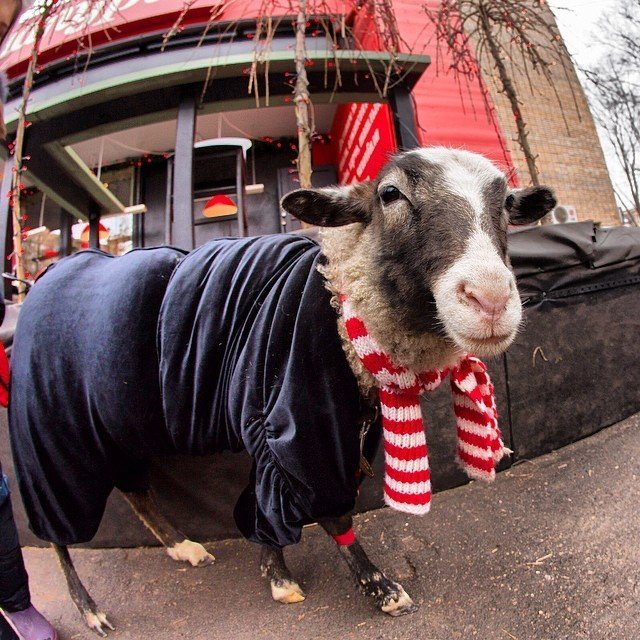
[130, 141]
[564, 138]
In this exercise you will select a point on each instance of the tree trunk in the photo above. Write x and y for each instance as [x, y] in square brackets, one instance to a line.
[302, 101]
[510, 92]
[18, 167]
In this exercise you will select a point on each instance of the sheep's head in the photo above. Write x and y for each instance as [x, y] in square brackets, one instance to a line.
[436, 220]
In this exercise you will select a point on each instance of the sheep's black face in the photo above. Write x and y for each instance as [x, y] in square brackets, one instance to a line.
[436, 220]
[441, 228]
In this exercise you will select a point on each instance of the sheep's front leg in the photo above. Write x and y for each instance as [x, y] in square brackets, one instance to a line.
[95, 619]
[178, 546]
[284, 588]
[389, 596]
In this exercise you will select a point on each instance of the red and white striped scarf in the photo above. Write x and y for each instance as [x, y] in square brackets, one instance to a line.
[407, 485]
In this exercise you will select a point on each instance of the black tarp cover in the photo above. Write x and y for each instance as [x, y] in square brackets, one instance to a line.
[570, 259]
[574, 367]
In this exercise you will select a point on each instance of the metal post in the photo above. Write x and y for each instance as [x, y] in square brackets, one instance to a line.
[241, 178]
[168, 218]
[182, 231]
[94, 231]
[137, 226]
[404, 118]
[65, 234]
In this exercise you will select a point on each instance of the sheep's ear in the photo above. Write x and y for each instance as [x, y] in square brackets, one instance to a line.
[529, 205]
[331, 207]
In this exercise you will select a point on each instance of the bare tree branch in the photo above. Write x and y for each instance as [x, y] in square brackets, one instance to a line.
[614, 93]
[504, 39]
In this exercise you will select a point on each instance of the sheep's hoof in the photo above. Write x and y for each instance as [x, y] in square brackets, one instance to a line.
[388, 595]
[97, 621]
[286, 591]
[192, 552]
[400, 604]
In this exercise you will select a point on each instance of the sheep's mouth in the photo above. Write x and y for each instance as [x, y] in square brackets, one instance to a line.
[492, 340]
[492, 345]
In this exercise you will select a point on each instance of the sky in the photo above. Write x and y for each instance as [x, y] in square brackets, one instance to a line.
[578, 22]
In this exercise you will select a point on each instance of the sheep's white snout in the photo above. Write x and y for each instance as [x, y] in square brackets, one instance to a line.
[477, 299]
[489, 303]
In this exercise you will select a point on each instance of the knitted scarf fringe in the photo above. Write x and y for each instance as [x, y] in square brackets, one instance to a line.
[407, 483]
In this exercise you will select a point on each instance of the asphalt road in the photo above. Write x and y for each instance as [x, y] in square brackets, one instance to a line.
[550, 551]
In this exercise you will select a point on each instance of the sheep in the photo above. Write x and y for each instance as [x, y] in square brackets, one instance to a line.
[231, 330]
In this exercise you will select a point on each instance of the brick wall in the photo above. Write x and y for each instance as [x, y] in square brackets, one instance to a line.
[570, 156]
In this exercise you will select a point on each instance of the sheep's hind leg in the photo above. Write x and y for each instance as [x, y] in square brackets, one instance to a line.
[178, 546]
[389, 596]
[284, 588]
[95, 619]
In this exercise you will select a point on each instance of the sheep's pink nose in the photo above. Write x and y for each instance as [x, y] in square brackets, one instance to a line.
[488, 303]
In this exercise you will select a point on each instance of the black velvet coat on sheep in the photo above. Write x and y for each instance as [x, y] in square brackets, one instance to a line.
[233, 347]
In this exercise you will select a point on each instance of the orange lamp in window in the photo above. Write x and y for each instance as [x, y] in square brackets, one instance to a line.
[103, 234]
[219, 205]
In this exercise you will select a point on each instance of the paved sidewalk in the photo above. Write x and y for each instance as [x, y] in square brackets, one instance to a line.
[550, 551]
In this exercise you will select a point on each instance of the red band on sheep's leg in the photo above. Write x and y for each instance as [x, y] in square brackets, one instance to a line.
[346, 538]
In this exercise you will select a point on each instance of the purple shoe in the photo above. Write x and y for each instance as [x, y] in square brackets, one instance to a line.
[30, 624]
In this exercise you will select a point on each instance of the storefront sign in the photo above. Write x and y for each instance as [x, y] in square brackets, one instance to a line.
[81, 25]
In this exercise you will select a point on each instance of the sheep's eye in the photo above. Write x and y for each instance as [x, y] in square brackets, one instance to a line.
[389, 194]
[509, 202]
